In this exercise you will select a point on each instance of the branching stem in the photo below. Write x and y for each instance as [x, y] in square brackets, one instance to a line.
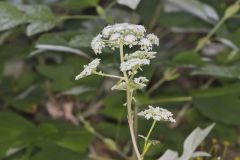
[129, 96]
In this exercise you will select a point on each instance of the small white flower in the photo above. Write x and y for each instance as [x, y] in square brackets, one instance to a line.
[88, 69]
[107, 31]
[145, 44]
[158, 114]
[120, 27]
[124, 34]
[115, 37]
[140, 54]
[130, 40]
[97, 44]
[153, 38]
[132, 63]
[140, 82]
[141, 29]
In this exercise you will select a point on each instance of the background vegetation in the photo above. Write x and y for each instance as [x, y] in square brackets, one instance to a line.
[45, 43]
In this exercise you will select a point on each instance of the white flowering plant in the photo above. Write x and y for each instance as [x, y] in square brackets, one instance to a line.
[119, 36]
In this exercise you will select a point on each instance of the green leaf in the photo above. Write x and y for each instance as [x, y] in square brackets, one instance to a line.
[194, 7]
[52, 39]
[10, 16]
[114, 106]
[81, 41]
[72, 137]
[232, 10]
[188, 58]
[218, 71]
[41, 19]
[62, 76]
[74, 140]
[76, 4]
[130, 3]
[181, 19]
[15, 123]
[220, 104]
[12, 126]
[146, 6]
[53, 152]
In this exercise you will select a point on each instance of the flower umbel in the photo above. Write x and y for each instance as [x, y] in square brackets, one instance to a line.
[126, 34]
[88, 69]
[158, 114]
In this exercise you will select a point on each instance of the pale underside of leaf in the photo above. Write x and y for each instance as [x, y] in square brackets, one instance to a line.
[195, 7]
[46, 47]
[130, 3]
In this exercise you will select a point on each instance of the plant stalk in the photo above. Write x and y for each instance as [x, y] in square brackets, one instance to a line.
[129, 96]
[146, 144]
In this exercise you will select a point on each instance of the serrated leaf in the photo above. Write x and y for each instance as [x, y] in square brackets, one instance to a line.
[10, 16]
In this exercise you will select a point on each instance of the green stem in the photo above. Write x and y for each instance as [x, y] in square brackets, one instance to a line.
[149, 133]
[67, 17]
[210, 34]
[122, 60]
[129, 96]
[111, 5]
[217, 26]
[146, 144]
[170, 100]
[108, 75]
[90, 128]
[156, 85]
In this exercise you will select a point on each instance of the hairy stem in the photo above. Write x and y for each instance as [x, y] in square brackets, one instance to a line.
[129, 96]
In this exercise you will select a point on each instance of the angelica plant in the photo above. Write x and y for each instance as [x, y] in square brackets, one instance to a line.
[119, 36]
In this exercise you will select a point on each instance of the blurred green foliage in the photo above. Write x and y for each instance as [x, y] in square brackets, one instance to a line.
[45, 43]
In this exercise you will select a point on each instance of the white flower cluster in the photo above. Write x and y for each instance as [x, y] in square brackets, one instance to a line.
[158, 114]
[125, 34]
[133, 63]
[88, 69]
[140, 82]
[140, 54]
